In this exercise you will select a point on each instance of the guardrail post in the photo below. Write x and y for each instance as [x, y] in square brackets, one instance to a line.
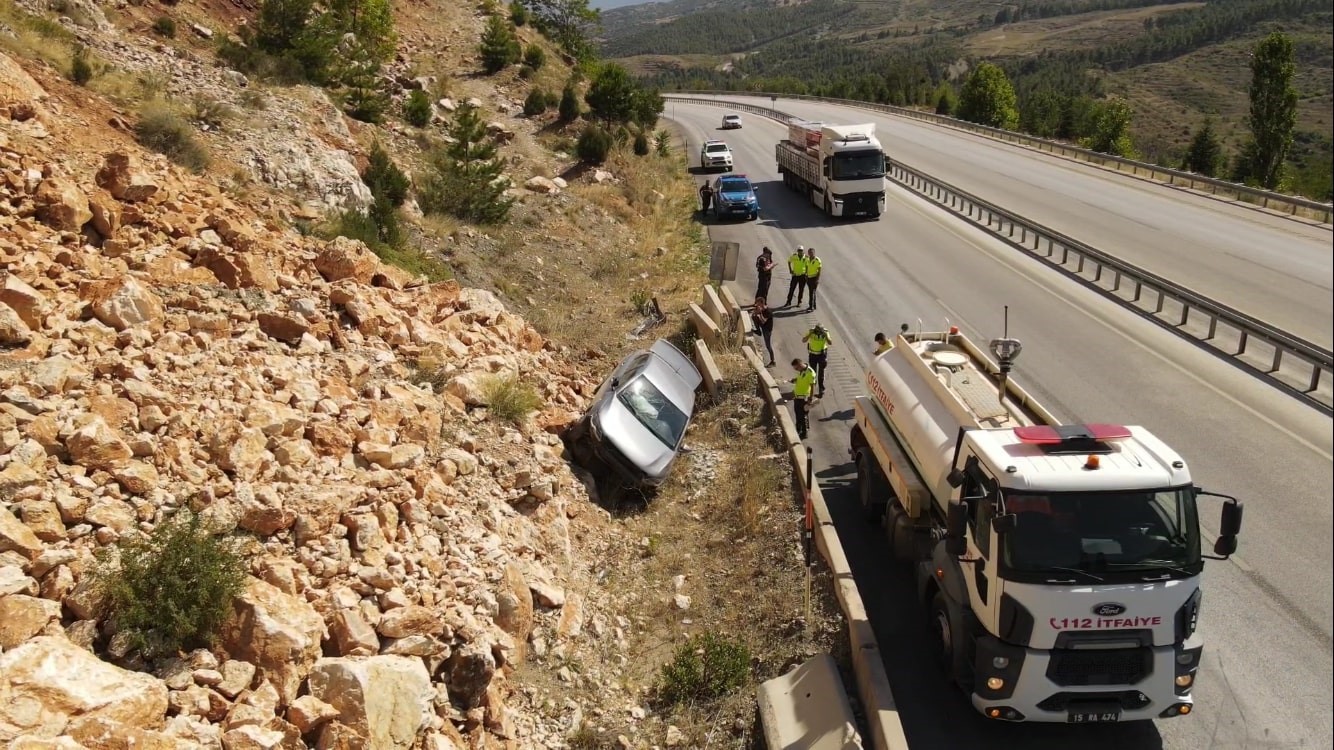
[1241, 343]
[1116, 282]
[1185, 314]
[1097, 273]
[1213, 327]
[1315, 379]
[1139, 289]
[1080, 268]
[1162, 298]
[1278, 359]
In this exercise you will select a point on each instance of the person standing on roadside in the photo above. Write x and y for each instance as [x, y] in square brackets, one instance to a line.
[764, 271]
[796, 265]
[813, 265]
[801, 394]
[763, 318]
[817, 342]
[705, 198]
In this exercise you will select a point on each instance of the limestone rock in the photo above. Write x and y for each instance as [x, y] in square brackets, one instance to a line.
[97, 445]
[124, 303]
[275, 631]
[343, 258]
[62, 205]
[384, 699]
[13, 331]
[125, 178]
[15, 535]
[409, 620]
[309, 712]
[48, 681]
[29, 303]
[352, 635]
[22, 617]
[541, 184]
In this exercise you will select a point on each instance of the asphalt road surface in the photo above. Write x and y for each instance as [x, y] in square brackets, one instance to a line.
[1267, 670]
[1275, 269]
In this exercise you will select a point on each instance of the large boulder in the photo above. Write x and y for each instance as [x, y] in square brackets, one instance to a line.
[123, 176]
[277, 632]
[124, 303]
[343, 258]
[384, 700]
[49, 681]
[62, 205]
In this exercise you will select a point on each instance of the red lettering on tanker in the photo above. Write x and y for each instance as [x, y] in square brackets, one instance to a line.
[1096, 623]
[880, 395]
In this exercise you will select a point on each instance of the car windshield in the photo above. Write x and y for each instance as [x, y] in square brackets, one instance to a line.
[1104, 531]
[732, 118]
[734, 186]
[714, 148]
[858, 165]
[654, 411]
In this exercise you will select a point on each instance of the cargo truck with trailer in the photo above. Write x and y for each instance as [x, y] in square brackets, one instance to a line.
[1060, 564]
[839, 168]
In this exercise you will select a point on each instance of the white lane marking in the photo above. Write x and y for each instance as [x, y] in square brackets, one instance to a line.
[1006, 260]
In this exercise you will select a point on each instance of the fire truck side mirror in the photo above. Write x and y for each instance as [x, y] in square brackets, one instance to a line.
[955, 524]
[1229, 524]
[955, 478]
[1005, 524]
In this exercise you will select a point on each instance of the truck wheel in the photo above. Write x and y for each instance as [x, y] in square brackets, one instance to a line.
[949, 639]
[870, 489]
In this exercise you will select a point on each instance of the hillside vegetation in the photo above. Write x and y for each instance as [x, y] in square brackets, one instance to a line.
[1176, 64]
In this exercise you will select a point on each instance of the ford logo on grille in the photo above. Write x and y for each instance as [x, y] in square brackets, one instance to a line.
[1108, 609]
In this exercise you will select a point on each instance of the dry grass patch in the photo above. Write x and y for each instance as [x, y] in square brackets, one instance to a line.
[723, 532]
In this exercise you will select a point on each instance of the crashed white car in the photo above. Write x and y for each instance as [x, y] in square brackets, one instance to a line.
[731, 122]
[638, 417]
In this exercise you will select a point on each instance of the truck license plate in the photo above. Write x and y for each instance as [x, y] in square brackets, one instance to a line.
[1093, 717]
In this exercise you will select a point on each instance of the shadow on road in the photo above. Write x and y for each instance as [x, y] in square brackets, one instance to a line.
[935, 714]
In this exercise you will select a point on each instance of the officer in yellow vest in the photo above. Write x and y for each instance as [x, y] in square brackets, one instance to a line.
[813, 265]
[802, 386]
[796, 265]
[818, 342]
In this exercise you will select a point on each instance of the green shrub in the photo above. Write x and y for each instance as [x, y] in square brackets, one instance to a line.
[526, 72]
[662, 141]
[165, 26]
[594, 145]
[534, 57]
[536, 103]
[641, 144]
[161, 130]
[518, 13]
[211, 112]
[499, 47]
[510, 398]
[706, 667]
[172, 588]
[81, 67]
[569, 103]
[417, 109]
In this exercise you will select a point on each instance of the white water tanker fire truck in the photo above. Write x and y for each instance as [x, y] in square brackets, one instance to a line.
[1060, 564]
[840, 168]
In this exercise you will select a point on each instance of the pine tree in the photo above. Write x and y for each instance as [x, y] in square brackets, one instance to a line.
[1205, 154]
[569, 103]
[946, 102]
[988, 98]
[499, 47]
[467, 179]
[611, 94]
[1273, 112]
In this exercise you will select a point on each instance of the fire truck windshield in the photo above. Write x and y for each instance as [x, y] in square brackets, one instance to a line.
[1115, 536]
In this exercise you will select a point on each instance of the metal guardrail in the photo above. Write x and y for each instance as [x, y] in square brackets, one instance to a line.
[1292, 205]
[1250, 343]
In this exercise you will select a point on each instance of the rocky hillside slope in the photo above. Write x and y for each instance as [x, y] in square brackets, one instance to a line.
[168, 345]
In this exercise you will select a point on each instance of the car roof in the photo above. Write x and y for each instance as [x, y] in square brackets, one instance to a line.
[733, 178]
[728, 117]
[715, 143]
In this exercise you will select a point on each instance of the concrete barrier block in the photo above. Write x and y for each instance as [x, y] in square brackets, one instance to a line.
[704, 326]
[730, 303]
[753, 359]
[713, 377]
[713, 305]
[745, 328]
[808, 709]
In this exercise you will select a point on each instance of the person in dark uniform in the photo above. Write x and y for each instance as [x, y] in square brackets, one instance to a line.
[763, 318]
[705, 198]
[764, 271]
